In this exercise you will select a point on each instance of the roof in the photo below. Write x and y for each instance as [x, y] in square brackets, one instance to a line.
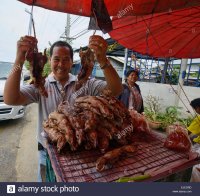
[117, 50]
[117, 59]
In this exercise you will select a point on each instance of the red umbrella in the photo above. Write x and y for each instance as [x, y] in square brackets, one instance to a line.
[170, 34]
[114, 7]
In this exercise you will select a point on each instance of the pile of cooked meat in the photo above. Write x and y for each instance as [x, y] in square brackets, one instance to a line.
[94, 122]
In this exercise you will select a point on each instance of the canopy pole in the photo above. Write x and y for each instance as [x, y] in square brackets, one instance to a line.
[30, 21]
[164, 74]
[125, 64]
[181, 79]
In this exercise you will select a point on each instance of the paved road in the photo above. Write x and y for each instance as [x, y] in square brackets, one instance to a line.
[18, 149]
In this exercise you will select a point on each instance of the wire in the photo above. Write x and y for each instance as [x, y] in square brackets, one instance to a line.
[82, 34]
[80, 21]
[148, 26]
[79, 33]
[75, 20]
[181, 98]
[189, 102]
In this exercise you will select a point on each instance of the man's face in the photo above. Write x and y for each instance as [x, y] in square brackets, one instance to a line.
[132, 77]
[197, 109]
[61, 63]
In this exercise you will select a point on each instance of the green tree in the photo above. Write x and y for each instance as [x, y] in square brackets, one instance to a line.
[47, 66]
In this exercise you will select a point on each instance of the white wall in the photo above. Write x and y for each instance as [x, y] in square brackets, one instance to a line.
[168, 96]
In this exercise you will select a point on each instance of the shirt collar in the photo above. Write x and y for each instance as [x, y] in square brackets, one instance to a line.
[72, 78]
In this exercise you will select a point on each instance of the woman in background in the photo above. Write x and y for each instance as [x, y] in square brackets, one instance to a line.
[131, 95]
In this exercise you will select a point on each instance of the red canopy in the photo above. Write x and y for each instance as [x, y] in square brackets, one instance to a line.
[170, 34]
[115, 7]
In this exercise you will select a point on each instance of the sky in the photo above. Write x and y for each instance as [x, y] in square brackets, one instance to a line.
[49, 26]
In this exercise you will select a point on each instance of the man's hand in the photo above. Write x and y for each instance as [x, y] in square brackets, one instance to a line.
[99, 46]
[23, 45]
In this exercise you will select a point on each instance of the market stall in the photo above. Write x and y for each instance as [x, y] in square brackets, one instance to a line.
[79, 138]
[86, 150]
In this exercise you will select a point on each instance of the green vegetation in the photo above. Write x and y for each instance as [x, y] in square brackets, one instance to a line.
[174, 77]
[27, 65]
[194, 75]
[176, 67]
[134, 178]
[169, 116]
[153, 107]
[47, 69]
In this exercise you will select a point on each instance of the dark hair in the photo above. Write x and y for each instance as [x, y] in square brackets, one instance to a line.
[61, 43]
[195, 103]
[132, 70]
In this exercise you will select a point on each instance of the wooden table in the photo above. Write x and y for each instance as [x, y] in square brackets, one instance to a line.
[151, 158]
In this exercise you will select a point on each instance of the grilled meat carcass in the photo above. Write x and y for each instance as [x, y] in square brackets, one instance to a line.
[37, 61]
[93, 102]
[64, 126]
[55, 136]
[92, 138]
[113, 156]
[70, 135]
[56, 116]
[103, 139]
[139, 121]
[87, 63]
[177, 138]
[78, 125]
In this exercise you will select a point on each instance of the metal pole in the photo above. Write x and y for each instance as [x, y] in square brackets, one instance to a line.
[30, 22]
[181, 79]
[125, 64]
[67, 29]
[198, 77]
[189, 72]
[164, 74]
[150, 71]
[67, 37]
[171, 69]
